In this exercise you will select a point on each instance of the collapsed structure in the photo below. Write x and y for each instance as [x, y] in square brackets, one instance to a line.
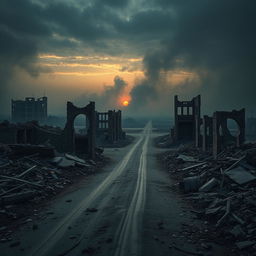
[30, 109]
[69, 131]
[215, 133]
[109, 126]
[221, 134]
[106, 126]
[187, 119]
[251, 127]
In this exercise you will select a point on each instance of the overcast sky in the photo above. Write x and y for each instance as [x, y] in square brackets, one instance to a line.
[142, 51]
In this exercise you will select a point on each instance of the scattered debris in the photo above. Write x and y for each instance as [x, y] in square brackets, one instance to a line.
[190, 184]
[209, 185]
[91, 210]
[186, 158]
[30, 175]
[244, 244]
[221, 192]
[240, 175]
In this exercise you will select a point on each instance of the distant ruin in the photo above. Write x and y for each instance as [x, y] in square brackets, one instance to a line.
[69, 131]
[109, 126]
[30, 109]
[221, 134]
[215, 133]
[187, 119]
[106, 126]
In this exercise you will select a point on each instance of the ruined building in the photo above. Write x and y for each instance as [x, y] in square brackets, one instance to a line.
[222, 136]
[209, 133]
[106, 125]
[87, 143]
[30, 109]
[109, 126]
[187, 119]
[62, 140]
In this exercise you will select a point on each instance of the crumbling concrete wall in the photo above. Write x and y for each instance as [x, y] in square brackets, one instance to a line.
[9, 133]
[110, 124]
[187, 119]
[69, 131]
[30, 133]
[207, 132]
[251, 127]
[221, 134]
[63, 140]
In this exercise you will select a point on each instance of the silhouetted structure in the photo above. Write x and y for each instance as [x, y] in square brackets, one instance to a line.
[221, 134]
[69, 131]
[215, 135]
[187, 119]
[207, 132]
[30, 109]
[109, 124]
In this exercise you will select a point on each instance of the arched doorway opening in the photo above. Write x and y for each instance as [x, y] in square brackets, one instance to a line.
[233, 127]
[70, 142]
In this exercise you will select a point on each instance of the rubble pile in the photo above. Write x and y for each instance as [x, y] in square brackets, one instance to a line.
[27, 180]
[221, 192]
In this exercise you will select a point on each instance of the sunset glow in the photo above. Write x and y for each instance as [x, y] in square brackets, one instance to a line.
[125, 103]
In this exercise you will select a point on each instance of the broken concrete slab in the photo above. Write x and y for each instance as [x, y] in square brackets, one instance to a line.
[186, 158]
[190, 184]
[240, 175]
[63, 162]
[244, 244]
[212, 211]
[237, 231]
[192, 166]
[75, 158]
[56, 160]
[208, 186]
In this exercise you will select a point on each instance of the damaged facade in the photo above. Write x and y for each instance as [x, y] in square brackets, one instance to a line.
[30, 109]
[221, 134]
[109, 126]
[215, 133]
[187, 119]
[207, 132]
[69, 131]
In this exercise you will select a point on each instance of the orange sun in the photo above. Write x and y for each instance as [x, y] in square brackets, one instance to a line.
[125, 103]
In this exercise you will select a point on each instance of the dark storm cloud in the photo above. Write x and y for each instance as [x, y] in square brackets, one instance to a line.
[19, 32]
[216, 40]
[149, 24]
[212, 38]
[113, 3]
[28, 28]
[83, 24]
